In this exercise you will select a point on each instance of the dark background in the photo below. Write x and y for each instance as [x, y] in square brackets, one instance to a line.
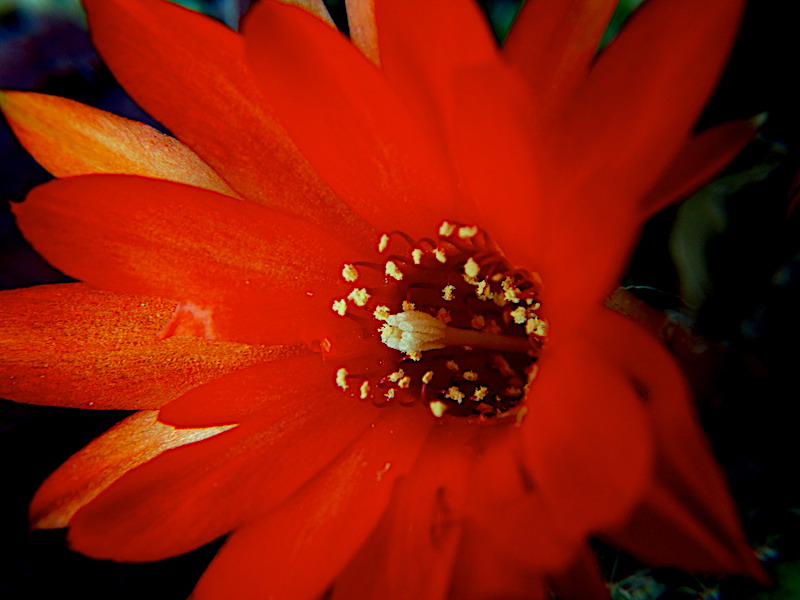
[738, 239]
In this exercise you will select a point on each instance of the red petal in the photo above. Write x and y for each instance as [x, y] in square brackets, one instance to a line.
[665, 531]
[234, 397]
[587, 439]
[298, 549]
[602, 159]
[68, 138]
[130, 443]
[688, 517]
[491, 142]
[411, 551]
[696, 164]
[146, 236]
[511, 539]
[168, 58]
[189, 496]
[661, 68]
[361, 138]
[553, 44]
[424, 46]
[488, 565]
[70, 345]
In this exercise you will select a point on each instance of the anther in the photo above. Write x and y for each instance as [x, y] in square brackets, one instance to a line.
[349, 273]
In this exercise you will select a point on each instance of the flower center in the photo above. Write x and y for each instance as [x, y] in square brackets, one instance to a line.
[446, 323]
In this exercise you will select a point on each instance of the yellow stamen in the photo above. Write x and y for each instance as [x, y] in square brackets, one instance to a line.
[359, 296]
[341, 378]
[446, 229]
[339, 307]
[393, 271]
[448, 292]
[438, 408]
[349, 273]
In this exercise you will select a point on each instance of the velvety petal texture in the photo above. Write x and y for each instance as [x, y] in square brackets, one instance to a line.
[237, 259]
[230, 128]
[294, 404]
[297, 60]
[323, 524]
[69, 138]
[412, 550]
[132, 442]
[182, 498]
[72, 345]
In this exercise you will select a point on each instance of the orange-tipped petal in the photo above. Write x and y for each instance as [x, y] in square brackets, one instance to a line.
[298, 549]
[69, 138]
[246, 263]
[363, 28]
[411, 552]
[71, 345]
[587, 438]
[228, 127]
[362, 139]
[315, 7]
[553, 43]
[191, 495]
[701, 158]
[128, 444]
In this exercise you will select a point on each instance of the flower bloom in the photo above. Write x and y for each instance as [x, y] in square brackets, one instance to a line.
[359, 301]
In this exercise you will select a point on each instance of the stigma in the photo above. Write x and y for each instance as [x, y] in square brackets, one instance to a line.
[414, 331]
[447, 323]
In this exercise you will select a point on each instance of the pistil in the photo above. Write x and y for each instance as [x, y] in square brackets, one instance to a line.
[466, 326]
[416, 331]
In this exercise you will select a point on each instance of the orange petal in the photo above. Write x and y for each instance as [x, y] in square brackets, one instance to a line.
[315, 7]
[298, 549]
[191, 495]
[362, 140]
[70, 138]
[363, 29]
[130, 443]
[701, 158]
[553, 43]
[245, 262]
[587, 440]
[411, 552]
[168, 58]
[71, 345]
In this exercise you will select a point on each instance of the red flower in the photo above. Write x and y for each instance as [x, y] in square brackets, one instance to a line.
[358, 382]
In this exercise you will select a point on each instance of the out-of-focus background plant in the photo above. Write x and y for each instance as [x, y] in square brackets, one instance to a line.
[717, 277]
